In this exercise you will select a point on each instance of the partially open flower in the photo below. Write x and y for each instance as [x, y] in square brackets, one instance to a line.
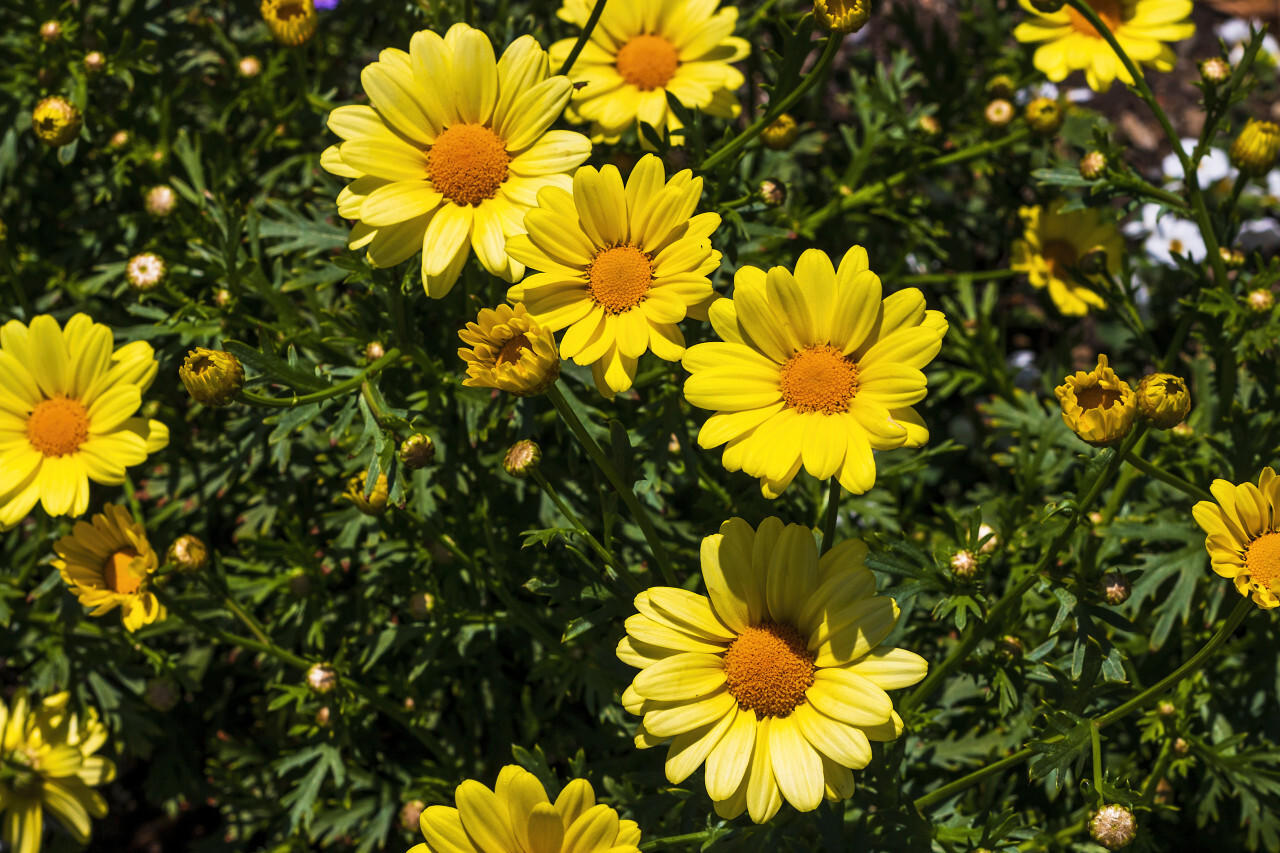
[510, 351]
[1164, 400]
[375, 503]
[779, 135]
[145, 272]
[212, 377]
[1257, 148]
[1045, 116]
[291, 22]
[1098, 406]
[56, 121]
[842, 16]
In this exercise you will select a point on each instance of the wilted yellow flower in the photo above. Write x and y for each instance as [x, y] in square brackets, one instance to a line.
[1243, 542]
[1098, 406]
[212, 377]
[55, 121]
[1164, 400]
[376, 502]
[510, 351]
[780, 135]
[291, 22]
[1255, 150]
[1053, 243]
[109, 564]
[842, 16]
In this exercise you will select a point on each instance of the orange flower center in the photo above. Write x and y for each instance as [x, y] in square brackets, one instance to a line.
[116, 574]
[468, 163]
[1262, 559]
[648, 62]
[1097, 397]
[769, 668]
[620, 277]
[1059, 255]
[819, 378]
[510, 352]
[58, 426]
[1112, 13]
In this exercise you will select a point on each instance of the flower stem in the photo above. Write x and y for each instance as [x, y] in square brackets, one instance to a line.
[605, 554]
[1141, 187]
[660, 843]
[583, 37]
[834, 493]
[333, 391]
[623, 489]
[1158, 473]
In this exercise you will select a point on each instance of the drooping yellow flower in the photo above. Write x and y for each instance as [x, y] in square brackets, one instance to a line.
[814, 369]
[1053, 243]
[1141, 27]
[1098, 406]
[451, 152]
[510, 351]
[66, 414]
[776, 679]
[517, 816]
[291, 22]
[1243, 539]
[47, 763]
[109, 564]
[620, 267]
[642, 49]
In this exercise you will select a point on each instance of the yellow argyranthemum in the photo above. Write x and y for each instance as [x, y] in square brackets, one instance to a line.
[517, 816]
[109, 564]
[451, 152]
[47, 762]
[643, 49]
[66, 414]
[1071, 43]
[619, 266]
[291, 22]
[814, 370]
[776, 679]
[1052, 245]
[1098, 406]
[1244, 535]
[509, 350]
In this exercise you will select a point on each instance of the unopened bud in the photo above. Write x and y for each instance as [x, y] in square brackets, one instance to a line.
[410, 812]
[417, 451]
[1233, 258]
[55, 121]
[781, 133]
[212, 377]
[998, 113]
[50, 31]
[1092, 165]
[1261, 300]
[964, 565]
[188, 554]
[322, 678]
[1183, 431]
[1164, 400]
[249, 66]
[118, 140]
[1257, 148]
[773, 193]
[1001, 86]
[323, 716]
[1166, 709]
[1010, 647]
[1115, 588]
[160, 200]
[94, 61]
[374, 351]
[522, 459]
[222, 297]
[1045, 116]
[1215, 70]
[1180, 746]
[1113, 827]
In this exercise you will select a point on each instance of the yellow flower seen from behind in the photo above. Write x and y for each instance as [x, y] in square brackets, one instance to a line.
[1052, 246]
[509, 350]
[1070, 43]
[67, 405]
[1243, 539]
[1098, 406]
[1257, 148]
[640, 51]
[451, 151]
[517, 816]
[814, 369]
[619, 266]
[776, 679]
[291, 22]
[109, 563]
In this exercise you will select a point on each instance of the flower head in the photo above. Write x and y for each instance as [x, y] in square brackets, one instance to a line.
[212, 377]
[780, 135]
[451, 152]
[322, 678]
[1115, 588]
[643, 51]
[375, 503]
[249, 66]
[109, 564]
[188, 553]
[842, 16]
[1044, 115]
[1243, 539]
[56, 121]
[998, 113]
[1113, 826]
[1164, 400]
[517, 815]
[417, 451]
[1093, 165]
[619, 266]
[1071, 43]
[1098, 406]
[522, 459]
[50, 31]
[145, 271]
[964, 565]
[813, 369]
[160, 200]
[776, 678]
[1257, 148]
[291, 22]
[67, 405]
[1052, 245]
[94, 61]
[511, 351]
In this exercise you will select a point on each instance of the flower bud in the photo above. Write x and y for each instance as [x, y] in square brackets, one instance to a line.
[780, 135]
[160, 200]
[145, 272]
[1215, 70]
[522, 459]
[1261, 300]
[322, 678]
[94, 61]
[929, 125]
[1044, 116]
[161, 694]
[417, 451]
[1183, 431]
[1001, 86]
[1113, 826]
[773, 193]
[50, 31]
[323, 716]
[188, 554]
[1166, 709]
[212, 377]
[118, 140]
[964, 565]
[1115, 588]
[990, 541]
[421, 604]
[842, 16]
[1047, 7]
[1256, 149]
[56, 121]
[1092, 165]
[374, 350]
[1233, 258]
[249, 66]
[376, 502]
[998, 113]
[410, 812]
[222, 297]
[291, 22]
[1181, 746]
[1164, 400]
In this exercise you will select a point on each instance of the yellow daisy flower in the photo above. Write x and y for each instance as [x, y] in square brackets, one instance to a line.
[776, 679]
[451, 152]
[47, 762]
[109, 564]
[66, 414]
[1071, 43]
[291, 22]
[1053, 243]
[814, 369]
[518, 816]
[619, 266]
[643, 49]
[1098, 406]
[509, 350]
[1244, 535]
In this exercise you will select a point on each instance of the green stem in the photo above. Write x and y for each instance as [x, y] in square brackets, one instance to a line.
[770, 115]
[236, 610]
[333, 391]
[659, 843]
[1158, 473]
[583, 37]
[952, 788]
[604, 553]
[1141, 187]
[834, 493]
[623, 489]
[1096, 738]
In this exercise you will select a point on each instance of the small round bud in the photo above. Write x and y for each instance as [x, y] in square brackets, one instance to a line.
[376, 502]
[1180, 746]
[1215, 70]
[161, 694]
[1257, 148]
[773, 193]
[410, 812]
[1261, 300]
[522, 459]
[842, 16]
[188, 554]
[929, 125]
[374, 351]
[1164, 792]
[1233, 258]
[1113, 827]
[323, 716]
[222, 297]
[417, 451]
[50, 31]
[964, 565]
[249, 66]
[1115, 588]
[1010, 647]
[1045, 116]
[94, 61]
[1164, 400]
[56, 121]
[780, 135]
[998, 113]
[1166, 709]
[421, 604]
[1183, 431]
[1093, 261]
[118, 140]
[1092, 165]
[990, 541]
[160, 200]
[322, 678]
[1001, 86]
[145, 272]
[212, 377]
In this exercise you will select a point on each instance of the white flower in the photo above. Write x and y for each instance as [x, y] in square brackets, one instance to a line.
[1167, 236]
[1027, 94]
[1235, 32]
[1213, 166]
